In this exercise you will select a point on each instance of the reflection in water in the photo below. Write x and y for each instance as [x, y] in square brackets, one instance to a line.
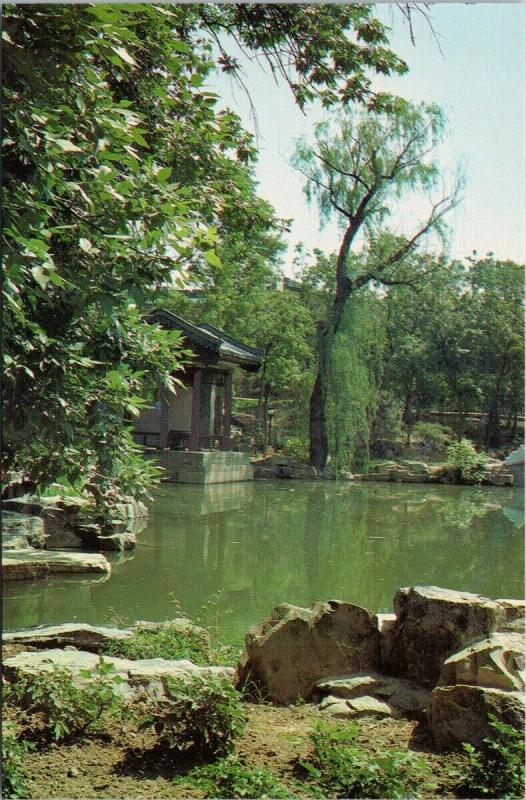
[255, 545]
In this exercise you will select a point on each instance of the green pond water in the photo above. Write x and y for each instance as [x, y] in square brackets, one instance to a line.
[230, 552]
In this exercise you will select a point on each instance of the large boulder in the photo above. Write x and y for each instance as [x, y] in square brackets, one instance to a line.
[496, 663]
[141, 678]
[287, 653]
[461, 713]
[433, 623]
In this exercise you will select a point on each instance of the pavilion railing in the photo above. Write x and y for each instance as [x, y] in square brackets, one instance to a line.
[178, 440]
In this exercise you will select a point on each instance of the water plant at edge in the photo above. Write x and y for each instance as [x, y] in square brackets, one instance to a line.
[205, 715]
[496, 768]
[462, 457]
[342, 768]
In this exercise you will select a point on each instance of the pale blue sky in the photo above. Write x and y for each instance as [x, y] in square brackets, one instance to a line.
[479, 79]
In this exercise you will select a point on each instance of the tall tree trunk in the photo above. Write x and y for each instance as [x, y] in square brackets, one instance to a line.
[493, 432]
[319, 443]
[265, 420]
[407, 417]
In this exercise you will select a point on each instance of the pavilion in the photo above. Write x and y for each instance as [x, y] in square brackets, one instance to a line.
[189, 433]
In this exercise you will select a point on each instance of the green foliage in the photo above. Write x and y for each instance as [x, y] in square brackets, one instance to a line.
[496, 769]
[358, 169]
[388, 151]
[297, 448]
[204, 715]
[109, 128]
[456, 343]
[168, 641]
[69, 709]
[464, 459]
[344, 769]
[352, 378]
[432, 434]
[229, 777]
[14, 751]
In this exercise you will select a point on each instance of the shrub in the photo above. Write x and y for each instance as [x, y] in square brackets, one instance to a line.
[228, 777]
[432, 434]
[14, 751]
[496, 769]
[168, 641]
[469, 465]
[296, 448]
[344, 769]
[202, 715]
[67, 709]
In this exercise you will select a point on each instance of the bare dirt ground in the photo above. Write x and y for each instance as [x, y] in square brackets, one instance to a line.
[122, 763]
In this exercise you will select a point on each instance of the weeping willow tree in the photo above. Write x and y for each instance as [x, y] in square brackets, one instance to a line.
[351, 381]
[360, 168]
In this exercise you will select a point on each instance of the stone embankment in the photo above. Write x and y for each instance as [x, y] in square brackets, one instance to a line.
[454, 657]
[60, 523]
[451, 658]
[497, 473]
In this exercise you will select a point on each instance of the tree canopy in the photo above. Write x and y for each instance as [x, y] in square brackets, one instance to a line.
[119, 169]
[360, 165]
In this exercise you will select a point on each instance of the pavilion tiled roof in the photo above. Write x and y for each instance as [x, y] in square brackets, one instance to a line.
[207, 336]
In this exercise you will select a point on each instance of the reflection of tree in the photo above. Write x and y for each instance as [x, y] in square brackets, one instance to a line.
[311, 538]
[471, 503]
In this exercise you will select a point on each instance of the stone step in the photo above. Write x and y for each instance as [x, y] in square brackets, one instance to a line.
[28, 564]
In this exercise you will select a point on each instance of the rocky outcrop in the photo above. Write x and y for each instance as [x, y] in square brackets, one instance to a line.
[484, 678]
[496, 663]
[497, 473]
[65, 527]
[145, 677]
[85, 637]
[398, 472]
[461, 713]
[513, 611]
[433, 623]
[395, 696]
[280, 466]
[22, 530]
[286, 654]
[365, 706]
[23, 565]
[94, 638]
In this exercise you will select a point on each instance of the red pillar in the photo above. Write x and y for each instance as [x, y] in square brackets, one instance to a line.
[163, 420]
[195, 423]
[225, 443]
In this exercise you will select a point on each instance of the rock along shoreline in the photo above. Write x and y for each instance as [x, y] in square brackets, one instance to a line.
[446, 657]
